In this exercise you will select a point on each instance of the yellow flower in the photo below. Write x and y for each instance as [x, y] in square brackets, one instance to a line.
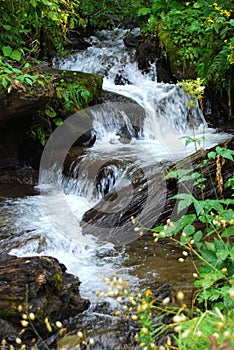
[148, 293]
[145, 330]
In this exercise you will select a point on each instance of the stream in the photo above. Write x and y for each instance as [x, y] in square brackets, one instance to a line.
[133, 142]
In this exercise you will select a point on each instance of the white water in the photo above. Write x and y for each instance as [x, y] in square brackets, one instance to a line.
[166, 119]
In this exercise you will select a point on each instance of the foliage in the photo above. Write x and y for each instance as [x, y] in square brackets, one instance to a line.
[101, 14]
[37, 26]
[201, 32]
[72, 97]
[170, 323]
[16, 78]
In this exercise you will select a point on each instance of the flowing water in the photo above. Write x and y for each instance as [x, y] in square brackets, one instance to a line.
[133, 142]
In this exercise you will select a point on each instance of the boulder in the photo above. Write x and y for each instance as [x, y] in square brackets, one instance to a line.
[22, 106]
[41, 286]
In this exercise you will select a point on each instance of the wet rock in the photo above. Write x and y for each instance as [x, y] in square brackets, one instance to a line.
[120, 80]
[131, 41]
[41, 286]
[21, 109]
[151, 199]
[150, 52]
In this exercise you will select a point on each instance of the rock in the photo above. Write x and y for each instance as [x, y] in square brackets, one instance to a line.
[40, 285]
[151, 199]
[22, 108]
[131, 41]
[120, 80]
[150, 52]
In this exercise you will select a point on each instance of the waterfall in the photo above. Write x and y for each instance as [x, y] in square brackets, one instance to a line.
[133, 141]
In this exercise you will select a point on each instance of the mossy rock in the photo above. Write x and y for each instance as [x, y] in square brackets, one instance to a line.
[40, 285]
[178, 68]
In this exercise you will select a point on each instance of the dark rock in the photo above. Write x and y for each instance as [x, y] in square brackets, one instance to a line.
[150, 190]
[131, 41]
[150, 52]
[21, 110]
[41, 286]
[120, 80]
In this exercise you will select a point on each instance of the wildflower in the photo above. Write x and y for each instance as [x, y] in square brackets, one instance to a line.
[91, 341]
[32, 316]
[24, 323]
[185, 334]
[20, 308]
[80, 334]
[148, 293]
[185, 253]
[133, 220]
[48, 325]
[18, 340]
[177, 328]
[195, 275]
[136, 229]
[180, 296]
[145, 330]
[134, 317]
[176, 319]
[181, 260]
[231, 293]
[166, 301]
[183, 234]
[182, 317]
[58, 324]
[24, 316]
[226, 334]
[216, 335]
[198, 334]
[168, 341]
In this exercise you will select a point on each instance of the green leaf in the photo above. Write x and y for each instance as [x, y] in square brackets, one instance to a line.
[197, 5]
[222, 254]
[33, 3]
[144, 11]
[185, 199]
[197, 237]
[16, 55]
[225, 153]
[211, 155]
[50, 112]
[189, 230]
[7, 50]
[7, 27]
[228, 232]
[28, 81]
[232, 22]
[209, 256]
[58, 121]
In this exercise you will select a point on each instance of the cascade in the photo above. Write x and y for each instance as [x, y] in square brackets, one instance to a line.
[132, 141]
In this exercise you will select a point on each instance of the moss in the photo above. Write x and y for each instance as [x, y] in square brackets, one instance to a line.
[57, 282]
[178, 67]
